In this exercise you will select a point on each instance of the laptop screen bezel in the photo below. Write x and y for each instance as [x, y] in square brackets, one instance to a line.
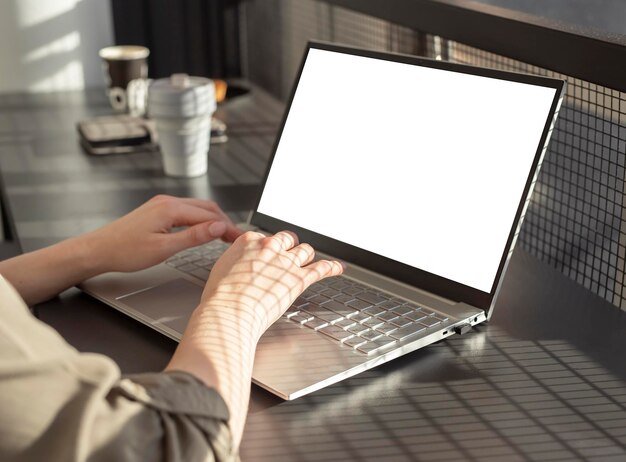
[416, 277]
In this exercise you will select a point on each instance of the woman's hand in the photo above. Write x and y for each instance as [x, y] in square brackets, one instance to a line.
[249, 288]
[138, 240]
[144, 237]
[259, 277]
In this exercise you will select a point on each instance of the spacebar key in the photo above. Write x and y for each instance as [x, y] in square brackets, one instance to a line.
[406, 332]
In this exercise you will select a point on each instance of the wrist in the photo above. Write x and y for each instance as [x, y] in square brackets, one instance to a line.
[84, 255]
[230, 315]
[214, 336]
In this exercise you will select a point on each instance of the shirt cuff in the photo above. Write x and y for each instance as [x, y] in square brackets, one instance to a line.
[176, 392]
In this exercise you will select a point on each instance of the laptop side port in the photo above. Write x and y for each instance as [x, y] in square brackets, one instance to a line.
[462, 329]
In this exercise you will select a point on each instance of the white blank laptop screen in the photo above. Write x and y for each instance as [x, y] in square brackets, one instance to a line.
[421, 165]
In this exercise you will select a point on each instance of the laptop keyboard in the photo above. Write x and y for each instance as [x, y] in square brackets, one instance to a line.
[352, 314]
[360, 317]
[198, 261]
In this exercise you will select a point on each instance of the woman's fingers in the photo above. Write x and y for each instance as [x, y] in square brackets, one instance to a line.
[204, 204]
[189, 215]
[321, 269]
[286, 240]
[303, 254]
[194, 235]
[231, 233]
[186, 213]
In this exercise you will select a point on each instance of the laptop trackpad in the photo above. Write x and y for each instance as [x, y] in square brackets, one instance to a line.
[170, 303]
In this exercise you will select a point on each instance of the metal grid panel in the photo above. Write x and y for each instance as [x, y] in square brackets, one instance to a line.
[574, 221]
[575, 218]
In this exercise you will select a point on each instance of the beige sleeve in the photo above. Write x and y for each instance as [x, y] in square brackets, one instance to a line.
[59, 404]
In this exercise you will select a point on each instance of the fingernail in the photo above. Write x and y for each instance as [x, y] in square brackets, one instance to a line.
[344, 265]
[217, 228]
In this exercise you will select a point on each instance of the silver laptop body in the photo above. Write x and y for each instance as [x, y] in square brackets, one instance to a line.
[409, 282]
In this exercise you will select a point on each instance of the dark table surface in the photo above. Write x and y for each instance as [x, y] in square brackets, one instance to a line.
[544, 380]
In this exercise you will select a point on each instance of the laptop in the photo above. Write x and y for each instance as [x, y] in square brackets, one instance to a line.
[415, 172]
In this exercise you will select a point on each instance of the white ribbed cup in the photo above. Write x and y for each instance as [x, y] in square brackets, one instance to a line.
[181, 107]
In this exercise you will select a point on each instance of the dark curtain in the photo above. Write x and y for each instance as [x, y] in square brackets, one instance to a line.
[199, 37]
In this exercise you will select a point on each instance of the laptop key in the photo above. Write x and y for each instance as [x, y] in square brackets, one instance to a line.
[316, 288]
[352, 291]
[192, 258]
[290, 313]
[372, 298]
[359, 304]
[318, 299]
[370, 334]
[402, 310]
[441, 317]
[401, 322]
[316, 324]
[343, 298]
[340, 284]
[357, 329]
[430, 321]
[301, 317]
[407, 331]
[187, 268]
[336, 332]
[387, 316]
[373, 311]
[386, 329]
[300, 301]
[360, 317]
[339, 308]
[376, 345]
[315, 310]
[326, 315]
[176, 262]
[345, 323]
[415, 315]
[331, 293]
[204, 262]
[354, 342]
[373, 323]
[427, 312]
[388, 305]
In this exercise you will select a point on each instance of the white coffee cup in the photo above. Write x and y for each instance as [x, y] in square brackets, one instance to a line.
[181, 108]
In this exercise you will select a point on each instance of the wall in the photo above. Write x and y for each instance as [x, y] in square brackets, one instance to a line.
[275, 33]
[52, 45]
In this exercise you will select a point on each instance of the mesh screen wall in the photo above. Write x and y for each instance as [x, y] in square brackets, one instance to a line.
[575, 219]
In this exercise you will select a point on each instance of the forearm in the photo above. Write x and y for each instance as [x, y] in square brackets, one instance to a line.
[218, 348]
[43, 274]
[138, 240]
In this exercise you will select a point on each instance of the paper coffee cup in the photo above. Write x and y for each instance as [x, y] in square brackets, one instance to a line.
[181, 107]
